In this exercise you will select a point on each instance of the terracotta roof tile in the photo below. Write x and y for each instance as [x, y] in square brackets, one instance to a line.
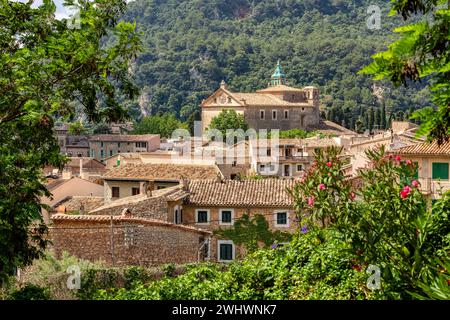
[258, 99]
[122, 218]
[280, 88]
[426, 148]
[246, 193]
[171, 172]
[122, 138]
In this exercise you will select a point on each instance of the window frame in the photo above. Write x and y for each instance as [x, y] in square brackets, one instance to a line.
[208, 216]
[286, 114]
[262, 114]
[112, 191]
[220, 217]
[133, 190]
[433, 174]
[233, 250]
[275, 219]
[274, 113]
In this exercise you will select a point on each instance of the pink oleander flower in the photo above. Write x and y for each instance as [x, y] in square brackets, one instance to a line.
[408, 162]
[311, 201]
[322, 186]
[405, 192]
[352, 195]
[415, 183]
[398, 158]
[329, 164]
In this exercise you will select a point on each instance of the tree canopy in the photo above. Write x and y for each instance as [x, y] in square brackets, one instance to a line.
[162, 124]
[421, 53]
[45, 64]
[228, 120]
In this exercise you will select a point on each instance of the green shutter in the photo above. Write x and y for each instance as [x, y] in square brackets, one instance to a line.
[226, 251]
[416, 173]
[226, 216]
[440, 171]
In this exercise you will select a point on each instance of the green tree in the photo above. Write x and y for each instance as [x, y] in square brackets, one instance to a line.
[45, 65]
[383, 116]
[101, 128]
[77, 128]
[228, 120]
[370, 120]
[163, 125]
[422, 52]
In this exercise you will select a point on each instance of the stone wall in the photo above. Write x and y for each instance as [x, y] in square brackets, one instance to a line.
[133, 243]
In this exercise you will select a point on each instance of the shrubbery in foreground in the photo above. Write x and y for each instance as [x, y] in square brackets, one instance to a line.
[385, 223]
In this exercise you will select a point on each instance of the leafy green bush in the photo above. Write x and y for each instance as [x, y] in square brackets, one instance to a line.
[31, 292]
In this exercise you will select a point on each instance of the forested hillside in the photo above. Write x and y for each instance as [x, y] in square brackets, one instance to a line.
[191, 45]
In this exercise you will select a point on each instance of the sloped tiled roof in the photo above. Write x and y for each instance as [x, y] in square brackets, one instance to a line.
[82, 203]
[245, 193]
[258, 99]
[122, 218]
[170, 172]
[280, 88]
[426, 148]
[122, 138]
[329, 127]
[141, 203]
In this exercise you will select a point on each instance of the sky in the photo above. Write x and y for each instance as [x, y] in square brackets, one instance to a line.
[61, 11]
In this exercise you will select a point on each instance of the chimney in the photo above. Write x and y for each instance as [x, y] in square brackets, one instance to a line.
[126, 212]
[185, 184]
[149, 188]
[67, 175]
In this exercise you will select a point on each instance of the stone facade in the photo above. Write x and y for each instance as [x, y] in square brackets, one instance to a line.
[277, 107]
[123, 241]
[189, 218]
[106, 145]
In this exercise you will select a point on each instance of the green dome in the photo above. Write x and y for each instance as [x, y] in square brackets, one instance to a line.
[278, 74]
[278, 77]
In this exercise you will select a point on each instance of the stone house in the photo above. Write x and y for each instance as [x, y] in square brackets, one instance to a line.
[102, 146]
[217, 204]
[276, 107]
[433, 166]
[134, 179]
[83, 167]
[77, 146]
[137, 230]
[63, 188]
[287, 157]
[126, 240]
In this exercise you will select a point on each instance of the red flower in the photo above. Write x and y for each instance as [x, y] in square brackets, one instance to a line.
[357, 267]
[352, 195]
[405, 192]
[398, 158]
[415, 183]
[322, 186]
[329, 164]
[408, 162]
[311, 201]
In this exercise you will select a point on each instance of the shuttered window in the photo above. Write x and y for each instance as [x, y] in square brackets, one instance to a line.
[226, 251]
[440, 171]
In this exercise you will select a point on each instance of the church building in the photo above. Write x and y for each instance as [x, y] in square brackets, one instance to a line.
[276, 107]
